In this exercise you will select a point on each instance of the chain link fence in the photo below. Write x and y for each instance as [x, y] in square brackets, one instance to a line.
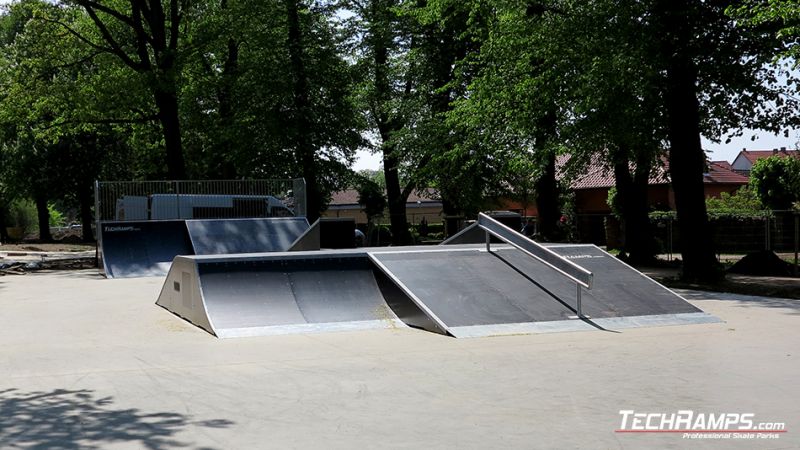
[222, 199]
[733, 235]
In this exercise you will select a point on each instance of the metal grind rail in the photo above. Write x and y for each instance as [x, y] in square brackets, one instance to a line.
[581, 277]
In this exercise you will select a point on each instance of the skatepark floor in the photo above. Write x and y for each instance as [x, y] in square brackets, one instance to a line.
[92, 363]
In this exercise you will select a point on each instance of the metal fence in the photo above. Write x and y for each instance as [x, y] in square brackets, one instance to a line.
[164, 200]
[778, 231]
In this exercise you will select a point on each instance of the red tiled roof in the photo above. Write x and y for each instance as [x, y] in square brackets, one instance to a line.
[720, 174]
[755, 155]
[350, 197]
[597, 175]
[723, 164]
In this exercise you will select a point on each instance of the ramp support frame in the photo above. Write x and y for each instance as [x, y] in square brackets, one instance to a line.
[582, 277]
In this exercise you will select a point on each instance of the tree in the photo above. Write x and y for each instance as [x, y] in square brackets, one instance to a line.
[145, 37]
[371, 198]
[776, 181]
[717, 79]
[57, 116]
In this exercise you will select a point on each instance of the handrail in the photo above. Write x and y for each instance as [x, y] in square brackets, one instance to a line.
[536, 250]
[562, 265]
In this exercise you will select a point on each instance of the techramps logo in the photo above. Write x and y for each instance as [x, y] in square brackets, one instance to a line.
[696, 425]
[120, 229]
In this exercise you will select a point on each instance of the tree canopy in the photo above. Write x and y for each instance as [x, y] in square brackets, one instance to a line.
[477, 100]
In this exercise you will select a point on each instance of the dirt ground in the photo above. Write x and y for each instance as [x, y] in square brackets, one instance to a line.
[46, 247]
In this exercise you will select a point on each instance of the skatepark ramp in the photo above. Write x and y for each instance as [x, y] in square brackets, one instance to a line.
[147, 248]
[256, 295]
[227, 236]
[141, 249]
[461, 290]
[327, 232]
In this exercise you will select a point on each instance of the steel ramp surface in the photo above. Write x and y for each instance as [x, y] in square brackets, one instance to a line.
[227, 236]
[480, 293]
[234, 298]
[141, 249]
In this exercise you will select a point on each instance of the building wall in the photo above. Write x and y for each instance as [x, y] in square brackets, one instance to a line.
[594, 201]
[741, 163]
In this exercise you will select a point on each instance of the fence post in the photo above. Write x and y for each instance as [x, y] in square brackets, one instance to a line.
[98, 217]
[177, 199]
[669, 236]
[796, 240]
[766, 233]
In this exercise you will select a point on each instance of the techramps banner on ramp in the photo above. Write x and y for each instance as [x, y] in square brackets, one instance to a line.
[142, 249]
[460, 290]
[147, 248]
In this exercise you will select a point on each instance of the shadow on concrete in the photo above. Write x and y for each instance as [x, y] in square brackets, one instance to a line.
[68, 419]
[745, 301]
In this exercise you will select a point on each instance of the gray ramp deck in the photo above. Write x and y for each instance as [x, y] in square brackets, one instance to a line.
[479, 293]
[142, 249]
[618, 290]
[226, 236]
[282, 296]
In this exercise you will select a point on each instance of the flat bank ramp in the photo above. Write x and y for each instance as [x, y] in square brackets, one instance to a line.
[227, 236]
[472, 292]
[234, 297]
[142, 249]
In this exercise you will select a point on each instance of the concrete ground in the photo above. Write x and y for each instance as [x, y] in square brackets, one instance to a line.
[87, 362]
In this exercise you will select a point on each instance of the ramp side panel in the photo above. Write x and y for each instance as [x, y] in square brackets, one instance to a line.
[142, 249]
[404, 306]
[226, 236]
[618, 290]
[471, 288]
[181, 295]
[309, 240]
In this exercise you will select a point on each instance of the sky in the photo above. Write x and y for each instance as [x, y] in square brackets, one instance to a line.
[718, 152]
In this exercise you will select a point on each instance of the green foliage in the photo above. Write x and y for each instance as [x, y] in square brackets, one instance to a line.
[371, 198]
[57, 218]
[744, 200]
[23, 215]
[613, 202]
[776, 181]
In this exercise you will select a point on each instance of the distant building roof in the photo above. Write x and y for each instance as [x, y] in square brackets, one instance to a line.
[598, 175]
[723, 164]
[755, 155]
[722, 174]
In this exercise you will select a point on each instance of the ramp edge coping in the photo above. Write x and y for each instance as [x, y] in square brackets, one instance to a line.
[560, 326]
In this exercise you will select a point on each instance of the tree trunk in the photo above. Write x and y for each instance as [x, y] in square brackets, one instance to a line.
[167, 105]
[632, 197]
[450, 212]
[686, 156]
[396, 199]
[230, 73]
[304, 147]
[85, 201]
[43, 215]
[3, 223]
[387, 123]
[547, 205]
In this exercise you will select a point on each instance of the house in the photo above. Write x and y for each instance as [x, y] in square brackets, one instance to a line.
[419, 204]
[746, 158]
[591, 188]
